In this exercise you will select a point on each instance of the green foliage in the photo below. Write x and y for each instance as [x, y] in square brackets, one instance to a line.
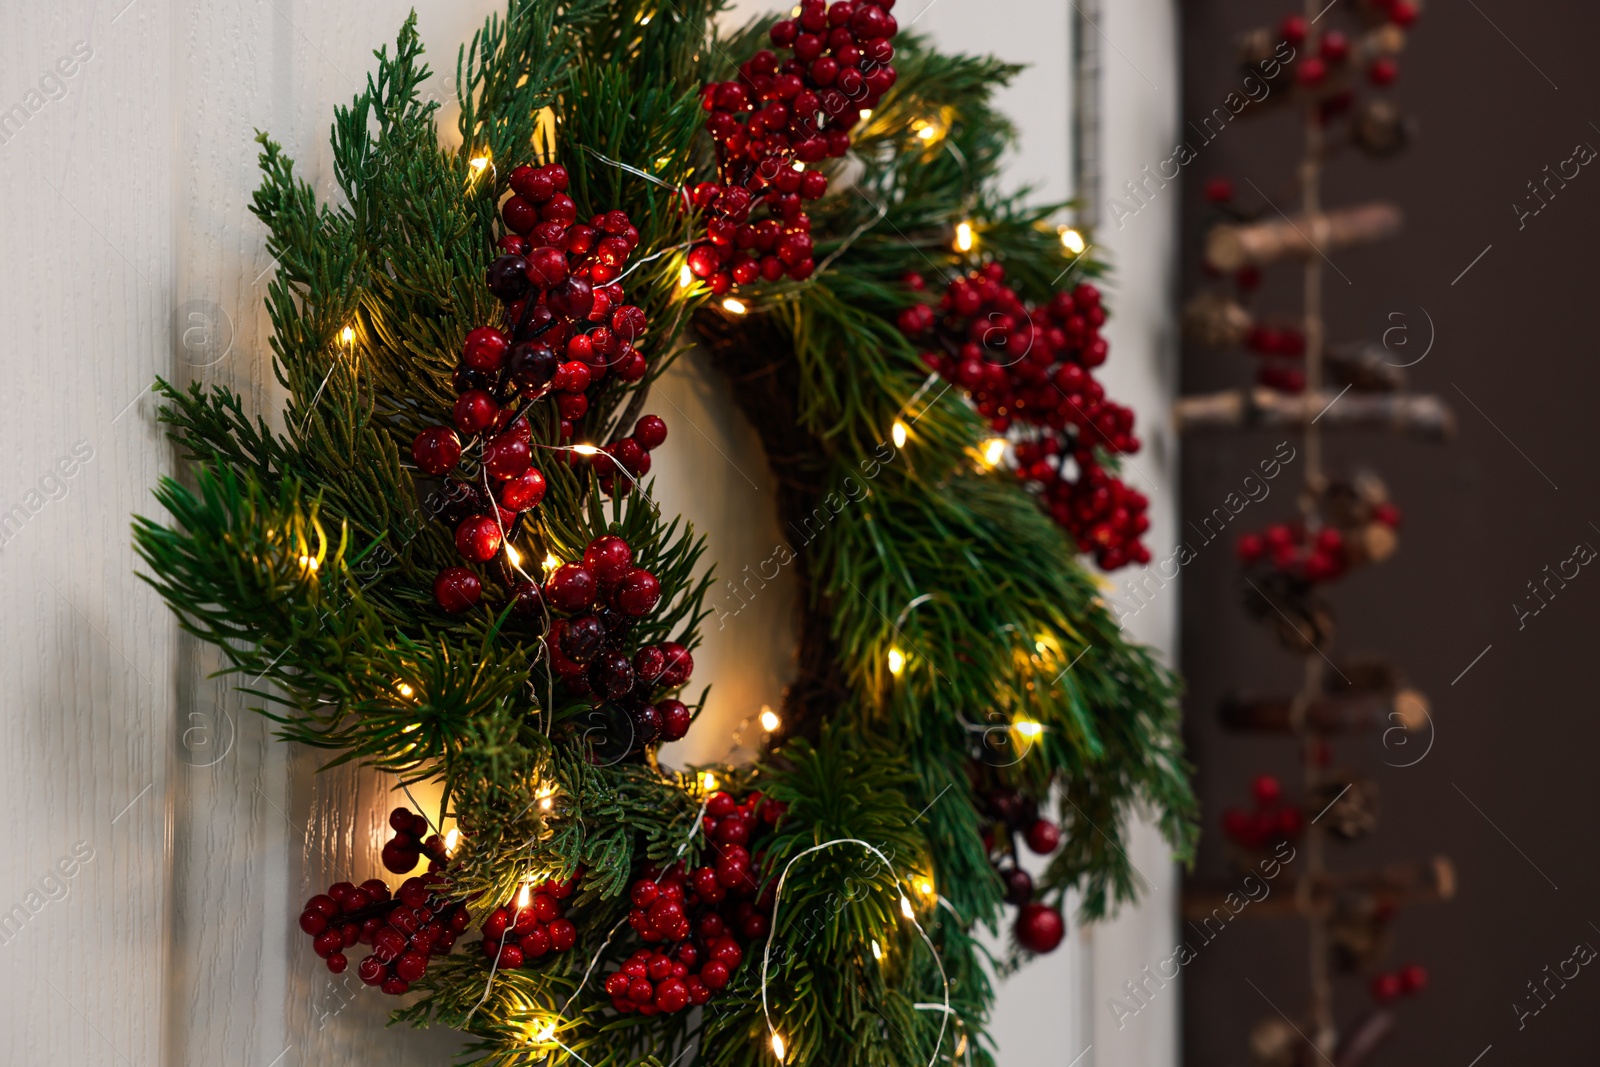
[307, 555]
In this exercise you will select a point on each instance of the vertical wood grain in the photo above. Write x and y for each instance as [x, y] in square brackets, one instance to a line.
[85, 669]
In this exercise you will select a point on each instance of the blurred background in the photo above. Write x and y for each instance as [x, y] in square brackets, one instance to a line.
[1497, 280]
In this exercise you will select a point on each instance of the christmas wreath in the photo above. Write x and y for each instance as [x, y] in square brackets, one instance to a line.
[447, 565]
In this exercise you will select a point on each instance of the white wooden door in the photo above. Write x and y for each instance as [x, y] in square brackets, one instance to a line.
[157, 842]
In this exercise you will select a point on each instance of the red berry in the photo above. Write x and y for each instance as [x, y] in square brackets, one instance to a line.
[410, 966]
[1386, 988]
[1335, 47]
[1219, 190]
[675, 719]
[371, 970]
[1312, 71]
[1383, 71]
[563, 935]
[639, 593]
[456, 589]
[628, 323]
[507, 456]
[672, 995]
[1290, 822]
[327, 943]
[1267, 790]
[714, 974]
[1294, 30]
[397, 856]
[478, 538]
[1413, 978]
[1040, 927]
[523, 492]
[436, 450]
[1403, 13]
[570, 588]
[520, 215]
[680, 665]
[1044, 836]
[608, 558]
[572, 406]
[485, 349]
[475, 411]
[650, 431]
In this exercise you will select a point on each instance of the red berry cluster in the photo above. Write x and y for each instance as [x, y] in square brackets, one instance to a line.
[566, 327]
[405, 930]
[1032, 367]
[413, 838]
[1335, 51]
[1281, 349]
[630, 456]
[1291, 551]
[529, 929]
[1039, 927]
[778, 117]
[601, 596]
[1272, 820]
[701, 920]
[1390, 986]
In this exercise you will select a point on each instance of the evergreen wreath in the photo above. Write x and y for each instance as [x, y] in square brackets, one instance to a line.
[467, 367]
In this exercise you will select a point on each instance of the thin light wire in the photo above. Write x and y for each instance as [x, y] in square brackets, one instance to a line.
[646, 175]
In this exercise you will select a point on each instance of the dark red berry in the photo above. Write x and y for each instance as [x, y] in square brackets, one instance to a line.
[609, 559]
[639, 593]
[648, 725]
[1019, 885]
[675, 719]
[680, 664]
[533, 368]
[648, 663]
[573, 298]
[1044, 836]
[612, 674]
[1267, 790]
[1040, 927]
[507, 456]
[582, 639]
[456, 589]
[1413, 978]
[478, 538]
[507, 278]
[570, 588]
[523, 492]
[475, 411]
[436, 450]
